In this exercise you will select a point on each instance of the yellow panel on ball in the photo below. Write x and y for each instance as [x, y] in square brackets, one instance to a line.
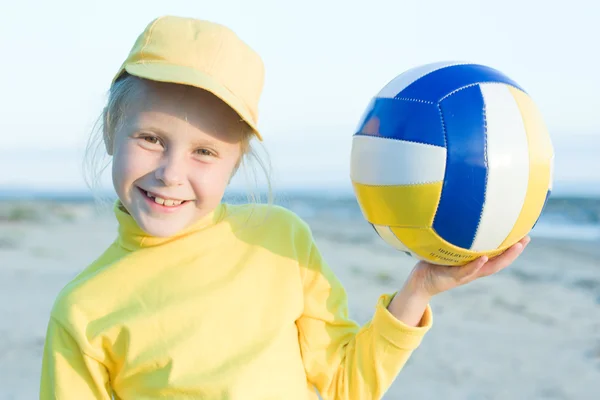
[427, 245]
[403, 205]
[540, 159]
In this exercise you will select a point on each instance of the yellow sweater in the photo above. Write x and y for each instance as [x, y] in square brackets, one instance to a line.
[241, 305]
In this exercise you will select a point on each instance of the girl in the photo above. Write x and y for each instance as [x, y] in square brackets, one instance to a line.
[198, 299]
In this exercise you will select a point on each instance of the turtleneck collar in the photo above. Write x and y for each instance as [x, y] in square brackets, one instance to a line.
[132, 237]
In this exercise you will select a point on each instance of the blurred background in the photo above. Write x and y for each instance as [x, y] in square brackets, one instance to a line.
[530, 332]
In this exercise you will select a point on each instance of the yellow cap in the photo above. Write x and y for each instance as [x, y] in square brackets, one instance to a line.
[203, 54]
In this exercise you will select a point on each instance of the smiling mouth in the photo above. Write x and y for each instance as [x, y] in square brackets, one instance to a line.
[163, 201]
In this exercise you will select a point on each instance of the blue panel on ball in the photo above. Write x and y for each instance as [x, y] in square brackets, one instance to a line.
[548, 193]
[438, 84]
[463, 191]
[403, 120]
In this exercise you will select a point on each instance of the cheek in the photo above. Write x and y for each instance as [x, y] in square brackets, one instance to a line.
[129, 164]
[212, 179]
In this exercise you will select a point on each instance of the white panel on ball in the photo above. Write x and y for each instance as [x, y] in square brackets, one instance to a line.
[402, 81]
[388, 236]
[381, 161]
[508, 167]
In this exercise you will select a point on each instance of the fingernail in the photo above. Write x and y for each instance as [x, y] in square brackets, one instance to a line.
[520, 246]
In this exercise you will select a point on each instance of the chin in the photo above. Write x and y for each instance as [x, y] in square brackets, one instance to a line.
[161, 228]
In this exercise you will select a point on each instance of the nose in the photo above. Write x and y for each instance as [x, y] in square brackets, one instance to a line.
[172, 171]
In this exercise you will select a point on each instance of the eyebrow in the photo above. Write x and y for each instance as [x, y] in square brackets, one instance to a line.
[154, 129]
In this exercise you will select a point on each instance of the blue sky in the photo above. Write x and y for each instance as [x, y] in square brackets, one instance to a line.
[324, 60]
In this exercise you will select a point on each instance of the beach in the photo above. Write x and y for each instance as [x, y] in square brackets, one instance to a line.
[531, 331]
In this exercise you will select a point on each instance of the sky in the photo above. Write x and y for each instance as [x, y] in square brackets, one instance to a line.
[324, 61]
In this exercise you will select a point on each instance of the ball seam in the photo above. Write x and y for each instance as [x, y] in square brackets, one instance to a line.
[445, 167]
[474, 84]
[485, 161]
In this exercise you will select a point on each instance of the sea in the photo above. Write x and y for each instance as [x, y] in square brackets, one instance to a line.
[572, 216]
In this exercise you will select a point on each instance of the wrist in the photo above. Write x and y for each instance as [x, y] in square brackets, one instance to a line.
[415, 286]
[413, 295]
[410, 302]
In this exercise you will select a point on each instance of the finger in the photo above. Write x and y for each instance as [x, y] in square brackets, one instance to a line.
[468, 271]
[503, 260]
[508, 252]
[525, 241]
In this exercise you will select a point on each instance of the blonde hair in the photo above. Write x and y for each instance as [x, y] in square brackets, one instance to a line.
[96, 158]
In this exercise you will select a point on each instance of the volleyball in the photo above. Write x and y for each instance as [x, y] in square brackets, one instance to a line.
[451, 161]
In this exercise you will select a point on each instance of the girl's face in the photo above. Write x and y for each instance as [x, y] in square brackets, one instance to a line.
[173, 155]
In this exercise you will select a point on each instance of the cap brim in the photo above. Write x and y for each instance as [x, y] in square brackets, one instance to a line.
[189, 76]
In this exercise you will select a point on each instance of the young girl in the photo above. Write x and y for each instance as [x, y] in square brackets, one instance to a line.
[198, 299]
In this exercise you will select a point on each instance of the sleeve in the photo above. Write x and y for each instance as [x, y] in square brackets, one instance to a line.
[67, 372]
[343, 360]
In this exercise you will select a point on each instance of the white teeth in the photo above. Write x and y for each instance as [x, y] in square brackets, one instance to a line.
[165, 202]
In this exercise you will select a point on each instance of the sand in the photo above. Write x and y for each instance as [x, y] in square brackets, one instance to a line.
[530, 332]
